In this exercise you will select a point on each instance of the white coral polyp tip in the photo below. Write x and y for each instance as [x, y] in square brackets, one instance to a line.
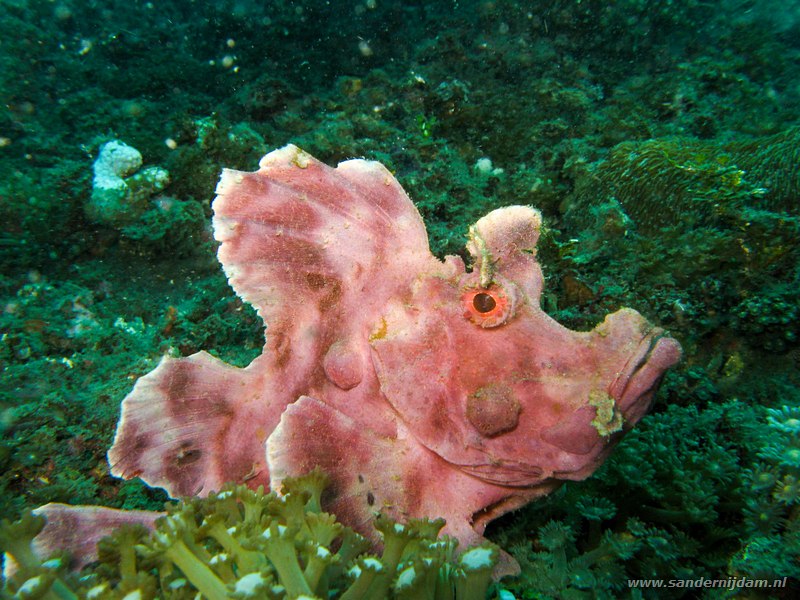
[373, 564]
[281, 529]
[477, 558]
[97, 591]
[249, 585]
[406, 578]
[53, 563]
[354, 572]
[30, 587]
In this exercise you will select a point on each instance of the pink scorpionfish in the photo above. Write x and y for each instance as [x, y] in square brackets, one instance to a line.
[421, 388]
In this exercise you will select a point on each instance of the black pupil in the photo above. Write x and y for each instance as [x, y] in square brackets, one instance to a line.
[483, 302]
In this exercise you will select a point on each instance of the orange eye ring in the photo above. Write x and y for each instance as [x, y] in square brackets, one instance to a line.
[488, 307]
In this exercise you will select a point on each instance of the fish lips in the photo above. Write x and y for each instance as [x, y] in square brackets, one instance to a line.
[634, 388]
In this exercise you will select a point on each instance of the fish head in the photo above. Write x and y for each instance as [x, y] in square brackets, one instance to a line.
[485, 379]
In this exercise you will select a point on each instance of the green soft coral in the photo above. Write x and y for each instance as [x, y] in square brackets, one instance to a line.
[241, 543]
[770, 515]
[33, 578]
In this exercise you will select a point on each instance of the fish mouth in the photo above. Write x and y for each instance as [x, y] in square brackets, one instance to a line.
[634, 388]
[506, 473]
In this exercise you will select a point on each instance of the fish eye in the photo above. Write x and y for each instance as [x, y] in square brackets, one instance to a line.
[483, 302]
[487, 307]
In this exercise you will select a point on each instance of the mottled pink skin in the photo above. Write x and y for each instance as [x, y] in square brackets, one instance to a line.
[375, 369]
[77, 529]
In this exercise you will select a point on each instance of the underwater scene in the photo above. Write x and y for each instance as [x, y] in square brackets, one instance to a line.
[596, 395]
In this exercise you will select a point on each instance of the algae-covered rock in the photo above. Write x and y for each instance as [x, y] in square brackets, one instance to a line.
[663, 181]
[701, 206]
[121, 189]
